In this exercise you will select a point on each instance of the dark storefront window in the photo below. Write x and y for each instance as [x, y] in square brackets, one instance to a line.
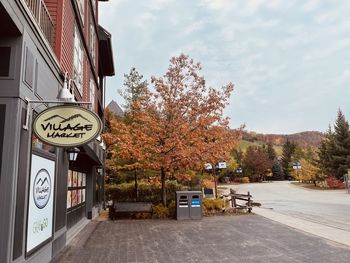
[5, 55]
[98, 186]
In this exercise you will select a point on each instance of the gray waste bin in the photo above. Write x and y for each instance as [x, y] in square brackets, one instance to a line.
[188, 205]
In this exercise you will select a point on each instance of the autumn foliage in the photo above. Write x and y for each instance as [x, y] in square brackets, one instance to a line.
[256, 162]
[176, 125]
[309, 172]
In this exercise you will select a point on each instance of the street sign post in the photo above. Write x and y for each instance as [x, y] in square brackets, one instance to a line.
[212, 168]
[297, 168]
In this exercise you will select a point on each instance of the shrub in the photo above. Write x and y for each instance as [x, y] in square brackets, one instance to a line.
[334, 183]
[213, 204]
[161, 212]
[125, 192]
[172, 208]
[245, 180]
[237, 180]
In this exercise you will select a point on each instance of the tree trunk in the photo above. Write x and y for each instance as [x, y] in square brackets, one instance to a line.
[162, 173]
[136, 186]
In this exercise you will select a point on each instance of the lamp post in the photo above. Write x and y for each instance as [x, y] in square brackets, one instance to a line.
[215, 181]
[297, 167]
[239, 170]
[212, 168]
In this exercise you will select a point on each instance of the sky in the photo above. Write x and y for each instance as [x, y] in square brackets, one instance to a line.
[288, 59]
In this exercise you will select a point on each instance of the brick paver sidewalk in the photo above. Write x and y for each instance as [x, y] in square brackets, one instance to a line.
[245, 238]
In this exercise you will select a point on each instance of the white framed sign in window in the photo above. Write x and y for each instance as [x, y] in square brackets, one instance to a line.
[40, 207]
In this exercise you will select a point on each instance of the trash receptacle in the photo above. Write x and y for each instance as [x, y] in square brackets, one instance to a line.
[188, 205]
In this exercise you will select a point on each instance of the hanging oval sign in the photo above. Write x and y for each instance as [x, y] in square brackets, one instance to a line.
[67, 126]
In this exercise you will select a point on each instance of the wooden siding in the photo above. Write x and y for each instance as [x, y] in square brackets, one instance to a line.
[52, 7]
[67, 38]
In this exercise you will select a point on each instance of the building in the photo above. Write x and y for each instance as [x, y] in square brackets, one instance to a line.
[42, 42]
[115, 109]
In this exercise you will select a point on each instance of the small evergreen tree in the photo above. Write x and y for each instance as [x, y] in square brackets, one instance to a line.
[286, 161]
[334, 152]
[277, 170]
[271, 151]
[324, 154]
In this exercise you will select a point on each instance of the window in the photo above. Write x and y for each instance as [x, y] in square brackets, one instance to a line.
[92, 42]
[5, 55]
[78, 62]
[98, 186]
[76, 183]
[80, 4]
[92, 94]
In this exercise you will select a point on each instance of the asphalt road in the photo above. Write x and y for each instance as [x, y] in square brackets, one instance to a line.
[326, 207]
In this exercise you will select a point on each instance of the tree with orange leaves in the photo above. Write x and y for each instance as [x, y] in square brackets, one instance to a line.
[122, 136]
[179, 124]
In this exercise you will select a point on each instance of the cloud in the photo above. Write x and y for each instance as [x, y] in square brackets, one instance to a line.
[217, 4]
[324, 52]
[286, 58]
[311, 5]
[194, 27]
[145, 20]
[247, 8]
[158, 4]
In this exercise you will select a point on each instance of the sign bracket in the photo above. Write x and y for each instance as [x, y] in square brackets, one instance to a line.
[29, 111]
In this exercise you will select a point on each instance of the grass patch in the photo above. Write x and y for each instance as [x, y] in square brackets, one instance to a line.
[244, 144]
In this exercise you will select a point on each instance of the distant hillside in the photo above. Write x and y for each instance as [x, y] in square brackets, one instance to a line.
[304, 139]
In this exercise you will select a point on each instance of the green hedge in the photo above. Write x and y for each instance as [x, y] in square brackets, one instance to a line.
[125, 192]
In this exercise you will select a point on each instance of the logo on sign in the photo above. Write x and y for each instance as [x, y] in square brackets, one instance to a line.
[67, 126]
[42, 188]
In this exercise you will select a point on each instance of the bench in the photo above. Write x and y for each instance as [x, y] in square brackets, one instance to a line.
[134, 210]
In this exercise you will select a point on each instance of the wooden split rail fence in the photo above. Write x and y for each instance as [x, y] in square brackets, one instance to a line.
[237, 198]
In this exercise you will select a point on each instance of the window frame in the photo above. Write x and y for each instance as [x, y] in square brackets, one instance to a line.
[81, 8]
[92, 93]
[78, 61]
[93, 43]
